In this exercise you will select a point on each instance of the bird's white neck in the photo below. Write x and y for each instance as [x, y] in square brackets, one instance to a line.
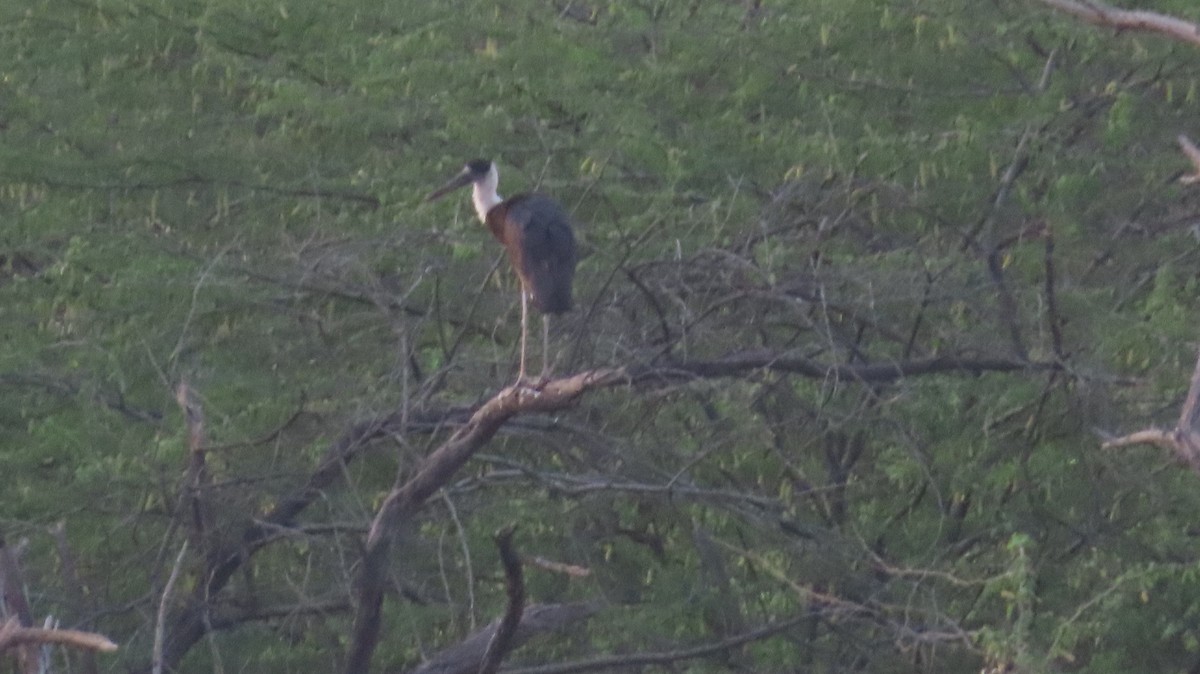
[484, 194]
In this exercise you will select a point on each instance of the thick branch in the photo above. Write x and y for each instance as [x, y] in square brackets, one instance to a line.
[197, 480]
[434, 472]
[502, 641]
[465, 656]
[188, 626]
[1150, 436]
[12, 588]
[12, 634]
[1101, 14]
[1193, 154]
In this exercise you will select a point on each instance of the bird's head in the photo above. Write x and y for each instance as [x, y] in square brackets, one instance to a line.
[477, 171]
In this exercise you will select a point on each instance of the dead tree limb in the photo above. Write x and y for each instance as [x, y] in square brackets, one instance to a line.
[74, 587]
[475, 427]
[1183, 440]
[12, 634]
[502, 640]
[1108, 16]
[191, 623]
[17, 632]
[435, 471]
[16, 605]
[1193, 154]
[197, 480]
[465, 656]
[13, 587]
[164, 601]
[572, 570]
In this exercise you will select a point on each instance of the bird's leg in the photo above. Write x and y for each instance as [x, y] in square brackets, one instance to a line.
[524, 326]
[545, 376]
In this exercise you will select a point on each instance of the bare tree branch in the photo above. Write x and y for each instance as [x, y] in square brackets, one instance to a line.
[664, 657]
[1051, 293]
[1193, 154]
[12, 634]
[1183, 440]
[503, 640]
[194, 494]
[740, 363]
[16, 605]
[12, 587]
[464, 657]
[62, 386]
[433, 473]
[74, 586]
[16, 632]
[162, 608]
[1101, 14]
[572, 570]
[475, 427]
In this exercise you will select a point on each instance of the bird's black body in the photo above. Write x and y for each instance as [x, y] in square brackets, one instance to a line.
[537, 234]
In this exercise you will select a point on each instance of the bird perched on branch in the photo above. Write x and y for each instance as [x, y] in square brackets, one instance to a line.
[536, 232]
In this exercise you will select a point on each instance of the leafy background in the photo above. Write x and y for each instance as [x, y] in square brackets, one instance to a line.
[230, 193]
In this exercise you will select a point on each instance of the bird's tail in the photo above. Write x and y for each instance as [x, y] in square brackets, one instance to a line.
[551, 288]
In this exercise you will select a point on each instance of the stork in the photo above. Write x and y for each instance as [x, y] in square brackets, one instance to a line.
[536, 232]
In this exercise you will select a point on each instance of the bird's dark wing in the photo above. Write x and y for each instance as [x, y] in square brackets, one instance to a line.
[545, 256]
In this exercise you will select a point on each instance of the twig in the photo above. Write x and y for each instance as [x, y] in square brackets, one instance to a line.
[197, 480]
[159, 629]
[1051, 289]
[16, 604]
[664, 657]
[573, 570]
[466, 553]
[1193, 154]
[74, 585]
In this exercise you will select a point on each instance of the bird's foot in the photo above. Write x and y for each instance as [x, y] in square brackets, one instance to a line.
[533, 383]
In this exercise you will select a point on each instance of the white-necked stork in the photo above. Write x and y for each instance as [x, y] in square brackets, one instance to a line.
[536, 232]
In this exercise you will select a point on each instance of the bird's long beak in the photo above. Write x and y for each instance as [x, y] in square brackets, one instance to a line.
[460, 180]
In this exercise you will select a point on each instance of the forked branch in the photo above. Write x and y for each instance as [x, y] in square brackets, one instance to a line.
[1183, 440]
[503, 640]
[475, 428]
[465, 656]
[434, 472]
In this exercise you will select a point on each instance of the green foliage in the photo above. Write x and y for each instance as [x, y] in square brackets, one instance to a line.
[229, 193]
